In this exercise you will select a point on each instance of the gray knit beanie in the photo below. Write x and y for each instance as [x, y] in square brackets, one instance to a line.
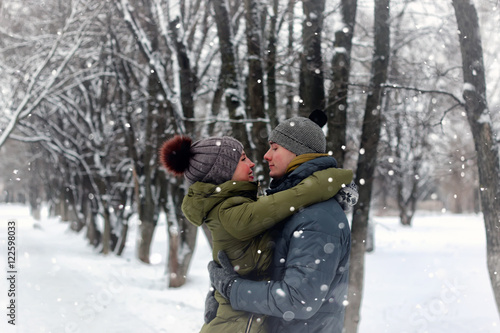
[212, 160]
[299, 135]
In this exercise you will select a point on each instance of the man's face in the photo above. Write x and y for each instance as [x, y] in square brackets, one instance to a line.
[278, 159]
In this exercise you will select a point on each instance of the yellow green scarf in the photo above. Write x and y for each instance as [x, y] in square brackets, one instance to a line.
[297, 161]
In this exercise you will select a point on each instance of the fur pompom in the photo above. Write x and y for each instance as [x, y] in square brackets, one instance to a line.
[319, 117]
[175, 154]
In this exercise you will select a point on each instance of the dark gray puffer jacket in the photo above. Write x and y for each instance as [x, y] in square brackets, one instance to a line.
[310, 266]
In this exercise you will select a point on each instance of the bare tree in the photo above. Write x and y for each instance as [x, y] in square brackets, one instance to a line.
[66, 101]
[255, 80]
[174, 72]
[290, 52]
[41, 76]
[404, 167]
[141, 23]
[367, 159]
[479, 118]
[228, 80]
[336, 108]
[271, 64]
[312, 90]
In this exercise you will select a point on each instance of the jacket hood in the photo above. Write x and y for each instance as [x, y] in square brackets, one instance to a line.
[203, 197]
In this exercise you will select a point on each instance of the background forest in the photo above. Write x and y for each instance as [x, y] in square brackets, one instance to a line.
[90, 90]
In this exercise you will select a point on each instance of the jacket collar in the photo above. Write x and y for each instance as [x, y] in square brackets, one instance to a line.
[203, 197]
[304, 169]
[300, 159]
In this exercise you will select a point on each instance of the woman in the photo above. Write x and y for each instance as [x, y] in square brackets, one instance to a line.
[223, 195]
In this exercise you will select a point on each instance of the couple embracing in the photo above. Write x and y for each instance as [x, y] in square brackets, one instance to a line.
[280, 261]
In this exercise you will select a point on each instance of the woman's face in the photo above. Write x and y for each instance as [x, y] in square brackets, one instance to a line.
[244, 170]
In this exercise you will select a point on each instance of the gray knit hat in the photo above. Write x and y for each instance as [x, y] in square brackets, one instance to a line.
[299, 135]
[212, 160]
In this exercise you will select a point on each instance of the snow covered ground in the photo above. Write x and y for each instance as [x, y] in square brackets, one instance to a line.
[428, 278]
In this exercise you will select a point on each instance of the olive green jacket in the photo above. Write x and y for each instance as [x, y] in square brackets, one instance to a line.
[238, 221]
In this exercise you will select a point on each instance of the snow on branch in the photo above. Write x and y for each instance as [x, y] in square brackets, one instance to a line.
[485, 117]
[236, 121]
[425, 91]
[469, 87]
[26, 106]
[154, 57]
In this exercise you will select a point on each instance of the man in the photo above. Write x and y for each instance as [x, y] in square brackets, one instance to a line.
[309, 277]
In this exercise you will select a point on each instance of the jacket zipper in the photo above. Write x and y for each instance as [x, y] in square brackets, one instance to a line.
[249, 324]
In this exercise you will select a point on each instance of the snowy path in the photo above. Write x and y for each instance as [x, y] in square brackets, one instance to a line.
[428, 278]
[64, 286]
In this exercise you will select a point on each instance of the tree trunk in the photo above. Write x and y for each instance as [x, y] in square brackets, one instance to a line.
[312, 90]
[187, 77]
[337, 96]
[147, 229]
[93, 235]
[181, 236]
[216, 103]
[367, 159]
[148, 215]
[146, 168]
[34, 196]
[122, 240]
[480, 122]
[62, 206]
[271, 67]
[145, 165]
[229, 75]
[256, 108]
[401, 175]
[106, 234]
[128, 197]
[290, 52]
